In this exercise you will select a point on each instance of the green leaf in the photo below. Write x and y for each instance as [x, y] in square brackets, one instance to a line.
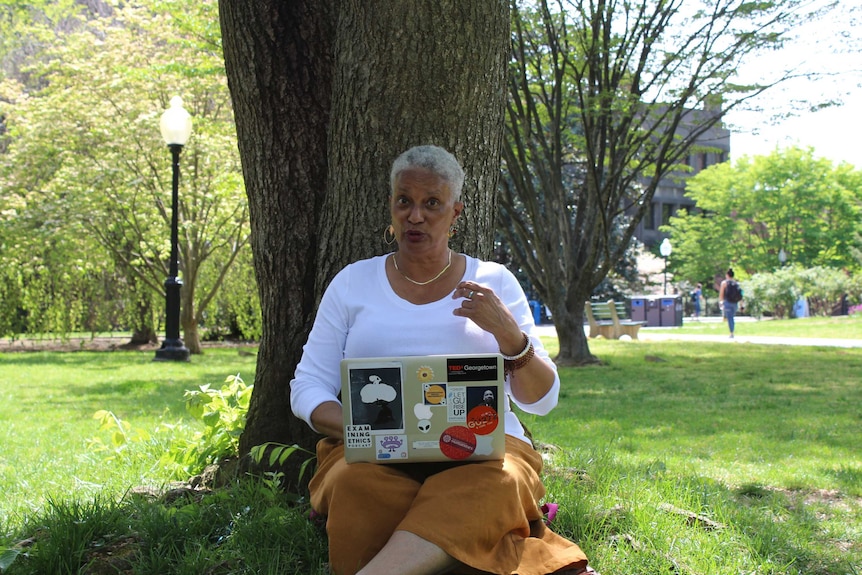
[7, 557]
[211, 418]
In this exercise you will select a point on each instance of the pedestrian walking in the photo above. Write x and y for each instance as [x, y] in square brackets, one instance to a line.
[729, 296]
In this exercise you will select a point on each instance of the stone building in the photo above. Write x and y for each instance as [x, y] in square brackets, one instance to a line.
[712, 147]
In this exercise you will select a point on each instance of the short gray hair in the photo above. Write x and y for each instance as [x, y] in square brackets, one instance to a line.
[434, 159]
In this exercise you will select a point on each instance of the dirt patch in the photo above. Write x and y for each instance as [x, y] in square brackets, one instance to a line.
[111, 343]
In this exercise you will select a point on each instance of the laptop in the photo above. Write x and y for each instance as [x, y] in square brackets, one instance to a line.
[423, 408]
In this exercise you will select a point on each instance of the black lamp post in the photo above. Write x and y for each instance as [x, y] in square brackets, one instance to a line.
[176, 126]
[664, 249]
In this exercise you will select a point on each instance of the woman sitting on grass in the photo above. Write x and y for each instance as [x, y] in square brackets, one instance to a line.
[424, 518]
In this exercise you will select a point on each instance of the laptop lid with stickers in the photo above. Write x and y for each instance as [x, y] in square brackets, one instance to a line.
[423, 408]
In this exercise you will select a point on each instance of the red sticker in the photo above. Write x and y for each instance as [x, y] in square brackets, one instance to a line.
[482, 419]
[457, 442]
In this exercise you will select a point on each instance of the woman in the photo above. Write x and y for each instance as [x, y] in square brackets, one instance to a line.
[728, 299]
[425, 299]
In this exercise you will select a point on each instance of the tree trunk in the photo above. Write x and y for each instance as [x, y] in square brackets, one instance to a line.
[143, 330]
[402, 74]
[574, 347]
[188, 314]
[279, 68]
[409, 73]
[191, 332]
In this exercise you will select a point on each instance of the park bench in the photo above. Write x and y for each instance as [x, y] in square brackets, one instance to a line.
[600, 320]
[611, 320]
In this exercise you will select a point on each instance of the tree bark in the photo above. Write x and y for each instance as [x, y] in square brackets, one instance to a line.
[410, 73]
[278, 58]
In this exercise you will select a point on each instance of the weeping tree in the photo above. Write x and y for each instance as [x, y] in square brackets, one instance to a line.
[606, 99]
[326, 94]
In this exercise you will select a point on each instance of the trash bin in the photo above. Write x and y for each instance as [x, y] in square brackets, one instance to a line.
[653, 313]
[638, 308]
[657, 310]
[671, 310]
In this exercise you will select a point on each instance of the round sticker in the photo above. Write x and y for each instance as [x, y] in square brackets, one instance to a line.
[457, 442]
[434, 394]
[425, 373]
[482, 419]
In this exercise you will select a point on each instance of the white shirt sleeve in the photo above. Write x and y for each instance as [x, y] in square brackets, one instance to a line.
[318, 376]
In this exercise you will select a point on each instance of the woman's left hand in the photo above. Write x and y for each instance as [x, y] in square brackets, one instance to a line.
[486, 309]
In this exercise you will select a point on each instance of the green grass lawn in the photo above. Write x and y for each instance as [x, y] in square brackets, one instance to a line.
[47, 402]
[696, 458]
[779, 416]
[838, 327]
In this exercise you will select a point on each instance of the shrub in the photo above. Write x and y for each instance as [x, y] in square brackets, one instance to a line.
[777, 292]
[183, 452]
[771, 292]
[824, 288]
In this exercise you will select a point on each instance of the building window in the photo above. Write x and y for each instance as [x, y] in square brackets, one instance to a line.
[666, 212]
[649, 217]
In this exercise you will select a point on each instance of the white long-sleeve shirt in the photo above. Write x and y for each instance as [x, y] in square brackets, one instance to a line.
[361, 316]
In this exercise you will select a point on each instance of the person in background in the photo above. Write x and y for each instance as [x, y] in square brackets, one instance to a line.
[729, 296]
[696, 297]
[425, 299]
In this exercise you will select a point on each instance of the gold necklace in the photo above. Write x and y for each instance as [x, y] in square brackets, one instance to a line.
[435, 278]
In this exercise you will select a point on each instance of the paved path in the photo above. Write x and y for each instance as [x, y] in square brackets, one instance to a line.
[668, 334]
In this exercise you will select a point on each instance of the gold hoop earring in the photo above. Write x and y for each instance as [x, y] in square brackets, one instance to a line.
[452, 232]
[389, 235]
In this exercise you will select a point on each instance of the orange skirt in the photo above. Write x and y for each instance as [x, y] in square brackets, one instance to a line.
[484, 514]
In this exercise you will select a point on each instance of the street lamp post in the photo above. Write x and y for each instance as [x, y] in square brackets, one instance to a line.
[664, 249]
[176, 127]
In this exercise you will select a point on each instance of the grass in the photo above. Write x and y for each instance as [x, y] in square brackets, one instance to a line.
[47, 402]
[774, 414]
[696, 458]
[837, 327]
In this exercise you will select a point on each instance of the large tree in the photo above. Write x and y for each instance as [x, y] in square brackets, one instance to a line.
[326, 94]
[606, 99]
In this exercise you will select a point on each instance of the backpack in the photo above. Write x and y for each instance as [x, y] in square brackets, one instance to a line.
[732, 291]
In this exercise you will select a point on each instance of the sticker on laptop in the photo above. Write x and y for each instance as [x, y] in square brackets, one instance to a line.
[357, 436]
[376, 398]
[456, 402]
[471, 369]
[425, 374]
[457, 442]
[482, 420]
[390, 447]
[434, 393]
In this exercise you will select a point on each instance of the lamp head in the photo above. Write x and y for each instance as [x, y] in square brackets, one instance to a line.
[176, 123]
[665, 248]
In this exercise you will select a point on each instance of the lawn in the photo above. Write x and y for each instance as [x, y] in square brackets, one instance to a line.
[837, 327]
[47, 403]
[696, 458]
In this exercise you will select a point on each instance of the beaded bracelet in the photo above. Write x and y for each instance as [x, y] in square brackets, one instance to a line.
[513, 362]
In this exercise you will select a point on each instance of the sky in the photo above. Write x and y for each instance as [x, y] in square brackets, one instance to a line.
[833, 132]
